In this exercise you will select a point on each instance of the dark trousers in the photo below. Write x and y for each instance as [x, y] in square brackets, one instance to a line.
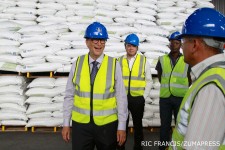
[136, 108]
[168, 106]
[87, 136]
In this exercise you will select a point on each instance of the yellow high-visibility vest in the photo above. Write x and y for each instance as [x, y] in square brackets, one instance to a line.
[173, 80]
[134, 80]
[104, 100]
[214, 75]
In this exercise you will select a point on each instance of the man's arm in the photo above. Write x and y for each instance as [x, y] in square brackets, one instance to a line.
[68, 105]
[122, 105]
[121, 98]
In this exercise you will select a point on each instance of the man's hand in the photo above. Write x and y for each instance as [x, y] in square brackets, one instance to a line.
[121, 137]
[66, 134]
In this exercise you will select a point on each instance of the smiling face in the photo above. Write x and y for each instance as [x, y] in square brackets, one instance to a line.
[131, 50]
[96, 47]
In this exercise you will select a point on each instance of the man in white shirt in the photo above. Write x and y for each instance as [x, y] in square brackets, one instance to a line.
[138, 81]
[95, 97]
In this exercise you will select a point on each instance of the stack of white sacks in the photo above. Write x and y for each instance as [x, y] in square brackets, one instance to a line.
[45, 100]
[47, 35]
[172, 13]
[12, 101]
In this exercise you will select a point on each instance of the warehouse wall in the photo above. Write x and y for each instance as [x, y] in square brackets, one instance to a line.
[219, 5]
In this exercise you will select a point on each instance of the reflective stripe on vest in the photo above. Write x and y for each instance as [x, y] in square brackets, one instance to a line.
[173, 80]
[104, 101]
[134, 80]
[213, 75]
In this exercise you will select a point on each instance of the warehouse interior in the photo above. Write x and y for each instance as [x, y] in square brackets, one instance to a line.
[40, 40]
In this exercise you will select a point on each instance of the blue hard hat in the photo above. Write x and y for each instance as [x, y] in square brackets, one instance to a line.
[205, 22]
[96, 31]
[132, 39]
[175, 36]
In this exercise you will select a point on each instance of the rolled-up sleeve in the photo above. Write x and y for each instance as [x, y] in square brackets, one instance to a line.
[121, 98]
[69, 98]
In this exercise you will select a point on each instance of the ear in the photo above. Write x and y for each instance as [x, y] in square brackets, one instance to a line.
[197, 42]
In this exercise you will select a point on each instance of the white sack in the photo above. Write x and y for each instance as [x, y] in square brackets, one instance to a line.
[43, 82]
[10, 35]
[45, 92]
[48, 122]
[36, 108]
[40, 52]
[38, 100]
[58, 59]
[13, 116]
[44, 67]
[12, 106]
[38, 38]
[33, 60]
[40, 115]
[12, 89]
[6, 42]
[62, 81]
[13, 122]
[10, 67]
[10, 59]
[11, 80]
[36, 29]
[72, 52]
[12, 98]
[64, 68]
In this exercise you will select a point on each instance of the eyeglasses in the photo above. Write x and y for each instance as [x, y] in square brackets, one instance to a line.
[95, 41]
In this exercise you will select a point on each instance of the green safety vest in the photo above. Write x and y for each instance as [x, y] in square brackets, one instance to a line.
[134, 80]
[173, 80]
[212, 75]
[104, 100]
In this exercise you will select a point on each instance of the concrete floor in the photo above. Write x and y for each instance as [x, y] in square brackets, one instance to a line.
[54, 141]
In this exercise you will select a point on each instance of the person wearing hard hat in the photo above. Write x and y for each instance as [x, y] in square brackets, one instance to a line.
[137, 79]
[201, 119]
[174, 77]
[95, 97]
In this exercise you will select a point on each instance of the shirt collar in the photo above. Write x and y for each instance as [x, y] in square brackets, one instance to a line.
[99, 59]
[180, 54]
[134, 57]
[198, 68]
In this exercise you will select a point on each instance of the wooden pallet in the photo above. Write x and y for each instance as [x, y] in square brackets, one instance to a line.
[45, 129]
[46, 74]
[61, 74]
[10, 73]
[39, 74]
[154, 129]
[131, 129]
[13, 128]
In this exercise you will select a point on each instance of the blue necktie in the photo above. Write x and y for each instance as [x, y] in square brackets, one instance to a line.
[94, 71]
